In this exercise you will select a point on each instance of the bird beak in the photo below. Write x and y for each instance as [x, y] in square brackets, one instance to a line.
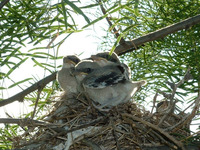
[96, 58]
[78, 72]
[71, 62]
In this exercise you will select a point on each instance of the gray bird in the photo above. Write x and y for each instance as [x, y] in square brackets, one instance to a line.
[82, 69]
[105, 58]
[108, 86]
[65, 77]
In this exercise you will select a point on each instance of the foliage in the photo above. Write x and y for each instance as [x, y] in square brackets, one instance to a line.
[24, 23]
[165, 59]
[32, 22]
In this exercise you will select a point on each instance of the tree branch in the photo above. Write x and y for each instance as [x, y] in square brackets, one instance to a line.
[23, 122]
[129, 46]
[110, 23]
[38, 85]
[3, 3]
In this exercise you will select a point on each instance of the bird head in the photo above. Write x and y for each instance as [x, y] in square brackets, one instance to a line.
[109, 57]
[70, 61]
[100, 60]
[85, 67]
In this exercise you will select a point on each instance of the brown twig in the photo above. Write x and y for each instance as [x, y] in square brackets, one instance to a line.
[36, 102]
[3, 3]
[94, 122]
[178, 124]
[156, 128]
[115, 134]
[154, 101]
[20, 96]
[129, 47]
[192, 135]
[110, 23]
[193, 113]
[52, 40]
[23, 122]
[172, 103]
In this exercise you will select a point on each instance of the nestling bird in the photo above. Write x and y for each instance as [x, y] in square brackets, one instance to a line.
[111, 59]
[65, 77]
[82, 69]
[108, 86]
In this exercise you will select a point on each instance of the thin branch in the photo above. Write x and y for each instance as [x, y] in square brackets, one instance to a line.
[129, 46]
[178, 124]
[38, 85]
[36, 102]
[110, 23]
[156, 128]
[115, 134]
[3, 3]
[171, 106]
[193, 113]
[154, 101]
[23, 122]
[53, 39]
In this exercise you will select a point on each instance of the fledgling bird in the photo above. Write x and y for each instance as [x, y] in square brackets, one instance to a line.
[108, 86]
[111, 59]
[65, 77]
[82, 69]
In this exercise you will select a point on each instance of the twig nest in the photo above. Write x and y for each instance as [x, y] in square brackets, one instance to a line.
[75, 124]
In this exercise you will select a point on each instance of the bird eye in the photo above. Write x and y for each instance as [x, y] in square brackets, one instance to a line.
[88, 70]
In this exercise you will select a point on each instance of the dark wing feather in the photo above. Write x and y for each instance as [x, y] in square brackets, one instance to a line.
[104, 80]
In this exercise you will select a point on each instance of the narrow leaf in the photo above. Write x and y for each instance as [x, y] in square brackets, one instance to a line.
[78, 10]
[17, 65]
[17, 83]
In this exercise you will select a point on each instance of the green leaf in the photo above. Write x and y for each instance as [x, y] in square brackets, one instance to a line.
[40, 64]
[2, 88]
[19, 82]
[64, 14]
[78, 10]
[94, 21]
[16, 66]
[116, 43]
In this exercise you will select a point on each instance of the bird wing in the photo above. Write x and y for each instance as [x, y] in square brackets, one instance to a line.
[103, 79]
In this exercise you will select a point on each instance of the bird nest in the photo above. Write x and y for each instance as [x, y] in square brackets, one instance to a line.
[74, 123]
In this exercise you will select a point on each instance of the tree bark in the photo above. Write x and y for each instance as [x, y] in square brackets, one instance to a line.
[38, 85]
[134, 44]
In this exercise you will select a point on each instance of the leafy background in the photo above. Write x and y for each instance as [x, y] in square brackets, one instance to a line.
[46, 25]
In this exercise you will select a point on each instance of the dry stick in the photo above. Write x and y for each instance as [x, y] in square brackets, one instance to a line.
[53, 39]
[192, 135]
[64, 132]
[20, 96]
[171, 97]
[110, 23]
[193, 113]
[94, 122]
[36, 102]
[188, 107]
[3, 3]
[178, 124]
[24, 122]
[129, 47]
[163, 139]
[156, 128]
[115, 134]
[154, 101]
